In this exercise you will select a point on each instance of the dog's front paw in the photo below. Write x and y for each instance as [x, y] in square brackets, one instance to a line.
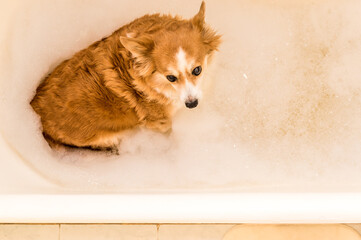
[165, 125]
[161, 125]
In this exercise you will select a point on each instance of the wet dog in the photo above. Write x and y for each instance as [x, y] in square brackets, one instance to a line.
[137, 77]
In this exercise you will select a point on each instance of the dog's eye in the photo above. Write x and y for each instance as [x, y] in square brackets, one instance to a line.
[197, 71]
[171, 78]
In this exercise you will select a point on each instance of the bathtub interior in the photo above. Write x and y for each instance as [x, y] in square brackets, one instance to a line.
[281, 107]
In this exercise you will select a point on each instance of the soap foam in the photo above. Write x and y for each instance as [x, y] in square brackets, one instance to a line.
[282, 105]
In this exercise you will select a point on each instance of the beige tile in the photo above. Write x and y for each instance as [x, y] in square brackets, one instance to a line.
[356, 226]
[29, 232]
[193, 232]
[108, 232]
[292, 231]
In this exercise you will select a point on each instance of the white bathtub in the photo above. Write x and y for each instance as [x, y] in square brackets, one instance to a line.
[29, 194]
[28, 198]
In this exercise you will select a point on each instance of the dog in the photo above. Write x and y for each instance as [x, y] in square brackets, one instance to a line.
[137, 77]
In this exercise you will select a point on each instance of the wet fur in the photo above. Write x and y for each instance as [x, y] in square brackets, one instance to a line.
[114, 85]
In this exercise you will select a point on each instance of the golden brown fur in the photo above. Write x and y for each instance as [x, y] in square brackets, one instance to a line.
[117, 84]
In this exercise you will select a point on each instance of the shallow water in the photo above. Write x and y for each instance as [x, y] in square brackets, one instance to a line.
[282, 105]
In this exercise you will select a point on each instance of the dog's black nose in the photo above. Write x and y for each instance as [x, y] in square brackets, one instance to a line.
[192, 104]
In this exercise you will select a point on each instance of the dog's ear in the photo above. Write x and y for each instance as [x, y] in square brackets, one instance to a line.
[210, 38]
[142, 46]
[198, 19]
[141, 49]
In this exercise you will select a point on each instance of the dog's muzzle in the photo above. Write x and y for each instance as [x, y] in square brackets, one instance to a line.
[192, 104]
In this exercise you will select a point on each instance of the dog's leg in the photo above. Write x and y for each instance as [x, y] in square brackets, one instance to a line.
[161, 125]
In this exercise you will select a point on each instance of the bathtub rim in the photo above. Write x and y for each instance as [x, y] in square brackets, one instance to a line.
[181, 208]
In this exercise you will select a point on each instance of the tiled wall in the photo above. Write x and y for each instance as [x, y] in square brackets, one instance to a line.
[116, 231]
[110, 232]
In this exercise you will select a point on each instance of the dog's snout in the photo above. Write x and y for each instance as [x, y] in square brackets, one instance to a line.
[192, 104]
